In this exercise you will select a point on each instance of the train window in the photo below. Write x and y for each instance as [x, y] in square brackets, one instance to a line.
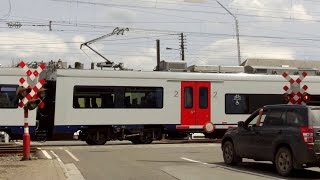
[8, 96]
[143, 97]
[314, 100]
[203, 97]
[117, 97]
[188, 97]
[248, 103]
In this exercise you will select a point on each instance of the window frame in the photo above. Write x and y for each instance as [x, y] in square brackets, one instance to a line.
[206, 99]
[282, 111]
[118, 102]
[249, 110]
[186, 106]
[15, 97]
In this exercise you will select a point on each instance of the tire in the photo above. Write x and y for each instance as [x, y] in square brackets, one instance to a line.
[92, 139]
[89, 142]
[229, 154]
[284, 161]
[135, 141]
[147, 141]
[141, 140]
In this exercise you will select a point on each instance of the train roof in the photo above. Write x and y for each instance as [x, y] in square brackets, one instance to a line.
[175, 75]
[12, 72]
[178, 76]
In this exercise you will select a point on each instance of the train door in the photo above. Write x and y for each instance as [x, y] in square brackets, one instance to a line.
[195, 103]
[45, 116]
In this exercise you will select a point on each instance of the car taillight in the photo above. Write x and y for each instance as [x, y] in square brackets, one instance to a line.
[307, 135]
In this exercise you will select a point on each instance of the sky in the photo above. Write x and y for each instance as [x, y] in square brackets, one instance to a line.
[281, 29]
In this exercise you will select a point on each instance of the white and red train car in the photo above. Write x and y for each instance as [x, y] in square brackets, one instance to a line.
[141, 106]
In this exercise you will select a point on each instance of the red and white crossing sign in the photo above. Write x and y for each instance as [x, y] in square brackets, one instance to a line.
[295, 92]
[34, 87]
[32, 74]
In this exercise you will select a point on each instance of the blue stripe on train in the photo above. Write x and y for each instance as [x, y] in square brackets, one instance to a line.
[18, 130]
[74, 128]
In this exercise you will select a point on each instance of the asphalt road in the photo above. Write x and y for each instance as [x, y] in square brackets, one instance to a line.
[122, 160]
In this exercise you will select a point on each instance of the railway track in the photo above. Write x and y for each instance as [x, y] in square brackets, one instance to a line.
[7, 149]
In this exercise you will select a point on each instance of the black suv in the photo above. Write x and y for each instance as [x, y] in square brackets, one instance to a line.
[287, 135]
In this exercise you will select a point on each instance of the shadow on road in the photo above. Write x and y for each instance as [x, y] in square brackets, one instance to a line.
[268, 169]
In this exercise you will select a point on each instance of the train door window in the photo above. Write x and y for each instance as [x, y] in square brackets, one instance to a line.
[8, 97]
[203, 97]
[188, 97]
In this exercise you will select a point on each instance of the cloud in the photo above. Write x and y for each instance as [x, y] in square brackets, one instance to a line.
[280, 8]
[145, 61]
[120, 14]
[301, 12]
[79, 38]
[222, 52]
[24, 45]
[195, 1]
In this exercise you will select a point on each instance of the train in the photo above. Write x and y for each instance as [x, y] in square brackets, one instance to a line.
[97, 106]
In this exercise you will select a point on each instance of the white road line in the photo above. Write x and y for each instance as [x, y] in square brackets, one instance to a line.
[46, 154]
[56, 156]
[71, 171]
[230, 168]
[191, 160]
[73, 156]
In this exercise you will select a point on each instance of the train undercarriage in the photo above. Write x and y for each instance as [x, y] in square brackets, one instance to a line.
[99, 135]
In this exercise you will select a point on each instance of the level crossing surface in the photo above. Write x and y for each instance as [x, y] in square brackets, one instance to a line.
[123, 160]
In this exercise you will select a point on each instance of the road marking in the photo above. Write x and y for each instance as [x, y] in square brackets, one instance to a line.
[56, 156]
[230, 168]
[71, 171]
[191, 160]
[46, 154]
[73, 156]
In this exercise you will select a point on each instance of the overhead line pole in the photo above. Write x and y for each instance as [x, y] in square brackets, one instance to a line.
[237, 31]
[158, 55]
[182, 46]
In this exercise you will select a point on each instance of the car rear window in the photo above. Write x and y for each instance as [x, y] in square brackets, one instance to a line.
[315, 116]
[297, 117]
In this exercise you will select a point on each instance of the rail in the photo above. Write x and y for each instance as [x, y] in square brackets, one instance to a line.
[7, 149]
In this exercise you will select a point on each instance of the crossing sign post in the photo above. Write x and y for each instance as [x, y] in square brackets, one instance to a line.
[296, 95]
[29, 100]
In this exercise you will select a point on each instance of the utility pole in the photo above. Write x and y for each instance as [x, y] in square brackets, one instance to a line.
[158, 55]
[182, 46]
[237, 31]
[50, 25]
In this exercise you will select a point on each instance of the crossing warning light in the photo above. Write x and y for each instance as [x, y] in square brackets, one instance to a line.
[286, 98]
[294, 94]
[305, 97]
[33, 102]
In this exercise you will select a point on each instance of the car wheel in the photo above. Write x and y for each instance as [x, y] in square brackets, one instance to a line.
[284, 161]
[229, 154]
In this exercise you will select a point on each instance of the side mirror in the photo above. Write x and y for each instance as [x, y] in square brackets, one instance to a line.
[241, 124]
